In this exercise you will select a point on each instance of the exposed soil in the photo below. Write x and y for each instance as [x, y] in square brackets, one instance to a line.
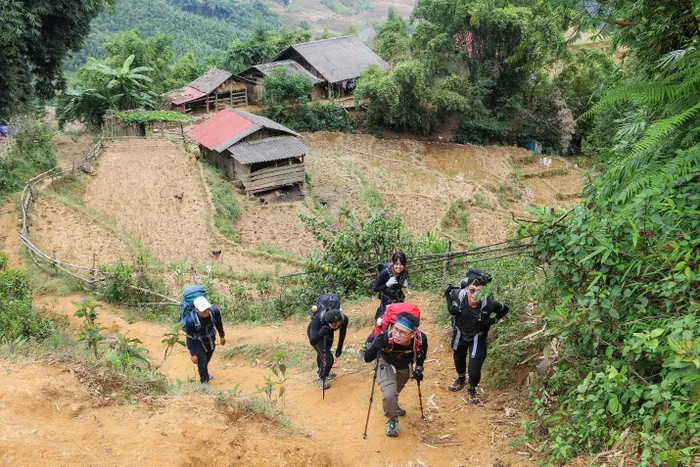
[53, 403]
[10, 224]
[53, 223]
[70, 150]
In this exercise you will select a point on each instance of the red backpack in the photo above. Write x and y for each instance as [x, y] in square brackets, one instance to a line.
[389, 318]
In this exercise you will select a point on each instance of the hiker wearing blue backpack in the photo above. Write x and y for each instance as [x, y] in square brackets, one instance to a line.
[201, 327]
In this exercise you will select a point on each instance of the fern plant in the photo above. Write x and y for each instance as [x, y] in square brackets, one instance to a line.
[671, 104]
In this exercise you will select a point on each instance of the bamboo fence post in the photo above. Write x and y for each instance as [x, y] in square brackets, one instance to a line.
[447, 260]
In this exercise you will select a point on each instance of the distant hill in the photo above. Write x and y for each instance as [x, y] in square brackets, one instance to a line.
[200, 26]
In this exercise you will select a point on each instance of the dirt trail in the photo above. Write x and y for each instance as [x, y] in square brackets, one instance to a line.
[473, 439]
[9, 232]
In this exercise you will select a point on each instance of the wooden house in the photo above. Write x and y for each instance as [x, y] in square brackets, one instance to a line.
[338, 62]
[262, 154]
[214, 90]
[257, 73]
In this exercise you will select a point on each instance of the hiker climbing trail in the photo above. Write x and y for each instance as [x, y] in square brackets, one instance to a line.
[452, 432]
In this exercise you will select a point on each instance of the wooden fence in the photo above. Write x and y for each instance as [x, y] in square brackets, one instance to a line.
[115, 128]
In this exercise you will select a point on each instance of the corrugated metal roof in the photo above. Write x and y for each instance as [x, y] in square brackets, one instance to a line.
[268, 149]
[210, 80]
[228, 126]
[339, 58]
[292, 66]
[184, 95]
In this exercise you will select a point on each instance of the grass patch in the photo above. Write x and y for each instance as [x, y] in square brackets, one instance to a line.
[530, 159]
[296, 354]
[226, 207]
[547, 173]
[479, 201]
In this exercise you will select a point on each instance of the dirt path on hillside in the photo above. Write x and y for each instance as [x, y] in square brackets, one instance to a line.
[468, 435]
[9, 232]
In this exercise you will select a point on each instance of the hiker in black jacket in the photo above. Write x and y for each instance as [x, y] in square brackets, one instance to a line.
[201, 336]
[398, 347]
[471, 320]
[320, 333]
[390, 283]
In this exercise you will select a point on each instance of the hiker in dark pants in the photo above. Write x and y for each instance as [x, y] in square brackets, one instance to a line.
[320, 333]
[390, 283]
[201, 336]
[472, 318]
[397, 348]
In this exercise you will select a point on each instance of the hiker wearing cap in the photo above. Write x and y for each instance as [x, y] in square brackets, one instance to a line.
[390, 282]
[401, 350]
[201, 328]
[472, 317]
[321, 332]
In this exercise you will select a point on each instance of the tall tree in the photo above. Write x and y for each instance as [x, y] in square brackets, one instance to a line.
[35, 37]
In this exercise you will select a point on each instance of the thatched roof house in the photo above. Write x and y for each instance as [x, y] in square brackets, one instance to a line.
[259, 152]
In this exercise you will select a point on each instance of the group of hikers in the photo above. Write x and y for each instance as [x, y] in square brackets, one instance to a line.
[396, 345]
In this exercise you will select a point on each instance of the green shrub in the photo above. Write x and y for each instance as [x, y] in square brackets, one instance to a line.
[33, 153]
[18, 320]
[317, 116]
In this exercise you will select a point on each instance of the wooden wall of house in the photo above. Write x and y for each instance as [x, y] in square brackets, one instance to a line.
[275, 175]
[222, 161]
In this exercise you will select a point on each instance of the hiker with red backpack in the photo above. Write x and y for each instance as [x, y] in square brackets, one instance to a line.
[390, 282]
[201, 324]
[325, 320]
[400, 350]
[472, 317]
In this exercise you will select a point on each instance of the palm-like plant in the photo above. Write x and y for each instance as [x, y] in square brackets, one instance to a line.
[127, 87]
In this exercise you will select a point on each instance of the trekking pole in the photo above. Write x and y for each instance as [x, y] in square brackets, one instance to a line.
[420, 400]
[371, 397]
[323, 389]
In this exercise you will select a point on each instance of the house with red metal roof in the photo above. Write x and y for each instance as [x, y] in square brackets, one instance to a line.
[214, 90]
[259, 152]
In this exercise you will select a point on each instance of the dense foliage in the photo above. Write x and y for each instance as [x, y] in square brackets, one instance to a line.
[32, 154]
[626, 262]
[18, 321]
[283, 87]
[124, 88]
[261, 48]
[202, 28]
[35, 37]
[153, 116]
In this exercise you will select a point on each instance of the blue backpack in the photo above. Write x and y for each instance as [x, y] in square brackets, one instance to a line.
[187, 304]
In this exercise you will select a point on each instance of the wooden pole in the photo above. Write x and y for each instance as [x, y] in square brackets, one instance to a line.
[447, 260]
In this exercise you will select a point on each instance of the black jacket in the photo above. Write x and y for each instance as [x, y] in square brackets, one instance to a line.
[472, 321]
[393, 294]
[318, 330]
[400, 356]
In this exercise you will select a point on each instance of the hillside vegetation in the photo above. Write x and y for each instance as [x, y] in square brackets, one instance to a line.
[198, 27]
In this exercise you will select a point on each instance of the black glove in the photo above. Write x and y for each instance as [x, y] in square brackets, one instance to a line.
[324, 331]
[448, 289]
[338, 353]
[492, 321]
[418, 374]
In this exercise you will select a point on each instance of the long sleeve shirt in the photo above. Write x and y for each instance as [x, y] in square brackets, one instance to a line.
[469, 320]
[206, 333]
[316, 335]
[399, 356]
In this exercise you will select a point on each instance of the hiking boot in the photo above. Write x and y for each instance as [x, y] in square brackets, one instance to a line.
[458, 385]
[472, 395]
[322, 384]
[330, 376]
[392, 427]
[401, 412]
[204, 386]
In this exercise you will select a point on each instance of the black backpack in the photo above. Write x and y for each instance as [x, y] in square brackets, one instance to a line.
[326, 301]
